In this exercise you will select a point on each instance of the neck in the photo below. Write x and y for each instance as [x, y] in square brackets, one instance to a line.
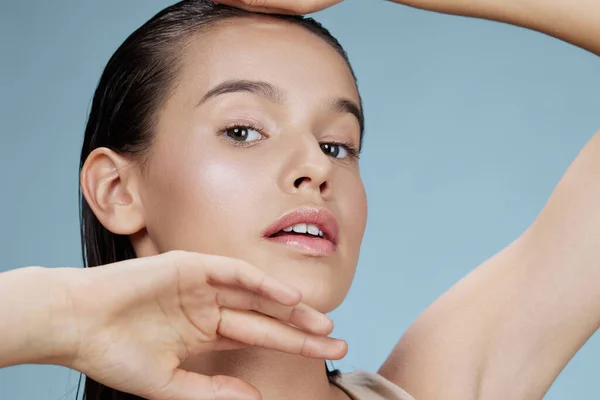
[276, 375]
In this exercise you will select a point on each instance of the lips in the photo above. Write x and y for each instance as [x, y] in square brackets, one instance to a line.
[315, 230]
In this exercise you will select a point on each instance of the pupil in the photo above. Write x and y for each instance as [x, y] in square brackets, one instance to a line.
[332, 150]
[239, 133]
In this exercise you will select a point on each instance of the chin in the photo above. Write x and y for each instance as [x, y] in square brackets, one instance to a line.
[322, 286]
[323, 281]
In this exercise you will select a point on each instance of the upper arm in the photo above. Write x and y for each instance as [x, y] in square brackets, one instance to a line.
[510, 326]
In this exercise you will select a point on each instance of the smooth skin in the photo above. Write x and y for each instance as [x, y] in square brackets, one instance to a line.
[577, 22]
[504, 331]
[202, 191]
[185, 304]
[508, 328]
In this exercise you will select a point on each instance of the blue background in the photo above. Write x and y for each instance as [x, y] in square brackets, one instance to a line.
[470, 125]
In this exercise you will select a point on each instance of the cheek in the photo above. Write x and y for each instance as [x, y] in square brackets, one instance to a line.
[201, 203]
[221, 185]
[353, 206]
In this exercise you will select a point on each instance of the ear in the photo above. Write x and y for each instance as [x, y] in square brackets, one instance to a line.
[109, 183]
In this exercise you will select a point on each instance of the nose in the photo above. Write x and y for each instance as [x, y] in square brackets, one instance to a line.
[308, 169]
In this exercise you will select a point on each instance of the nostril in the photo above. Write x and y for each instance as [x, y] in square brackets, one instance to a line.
[305, 180]
[299, 181]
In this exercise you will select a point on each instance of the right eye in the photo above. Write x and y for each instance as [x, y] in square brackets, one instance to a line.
[241, 133]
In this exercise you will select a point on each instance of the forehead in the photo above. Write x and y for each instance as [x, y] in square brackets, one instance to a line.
[302, 64]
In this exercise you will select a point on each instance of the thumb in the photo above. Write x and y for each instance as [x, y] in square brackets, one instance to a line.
[186, 385]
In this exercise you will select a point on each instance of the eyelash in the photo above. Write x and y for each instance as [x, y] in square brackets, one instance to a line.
[223, 133]
[353, 152]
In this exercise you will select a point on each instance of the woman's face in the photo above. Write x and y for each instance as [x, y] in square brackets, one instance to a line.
[229, 163]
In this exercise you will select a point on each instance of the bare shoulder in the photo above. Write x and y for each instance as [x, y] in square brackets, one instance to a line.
[508, 328]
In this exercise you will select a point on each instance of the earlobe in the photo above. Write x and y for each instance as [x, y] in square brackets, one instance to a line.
[109, 183]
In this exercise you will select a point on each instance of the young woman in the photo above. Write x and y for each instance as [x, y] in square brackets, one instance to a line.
[212, 140]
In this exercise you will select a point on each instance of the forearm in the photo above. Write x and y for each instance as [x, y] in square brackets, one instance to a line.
[35, 325]
[577, 22]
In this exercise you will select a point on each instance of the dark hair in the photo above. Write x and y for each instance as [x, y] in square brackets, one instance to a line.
[134, 85]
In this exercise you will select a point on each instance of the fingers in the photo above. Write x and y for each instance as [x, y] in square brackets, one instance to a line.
[233, 272]
[186, 385]
[223, 343]
[300, 315]
[281, 6]
[253, 8]
[257, 310]
[227, 271]
[261, 331]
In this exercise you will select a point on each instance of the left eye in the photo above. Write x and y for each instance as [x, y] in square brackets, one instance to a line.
[334, 150]
[243, 134]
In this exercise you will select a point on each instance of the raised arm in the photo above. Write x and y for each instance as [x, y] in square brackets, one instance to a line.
[574, 21]
[508, 328]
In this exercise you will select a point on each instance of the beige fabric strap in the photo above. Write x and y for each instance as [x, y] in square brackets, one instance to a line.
[363, 385]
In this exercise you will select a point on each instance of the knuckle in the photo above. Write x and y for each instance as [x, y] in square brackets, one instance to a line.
[290, 313]
[304, 347]
[238, 274]
[179, 256]
[265, 339]
[217, 386]
[221, 322]
[256, 302]
[220, 298]
[261, 283]
[256, 3]
[186, 259]
[176, 254]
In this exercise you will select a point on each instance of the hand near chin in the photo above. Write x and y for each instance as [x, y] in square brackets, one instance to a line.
[138, 320]
[281, 6]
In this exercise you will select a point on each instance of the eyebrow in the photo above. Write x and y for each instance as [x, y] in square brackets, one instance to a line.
[275, 94]
[348, 106]
[259, 88]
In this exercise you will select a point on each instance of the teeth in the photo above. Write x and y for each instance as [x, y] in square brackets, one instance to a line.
[300, 228]
[305, 228]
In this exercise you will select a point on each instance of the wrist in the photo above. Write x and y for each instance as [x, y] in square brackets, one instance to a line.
[38, 324]
[63, 321]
